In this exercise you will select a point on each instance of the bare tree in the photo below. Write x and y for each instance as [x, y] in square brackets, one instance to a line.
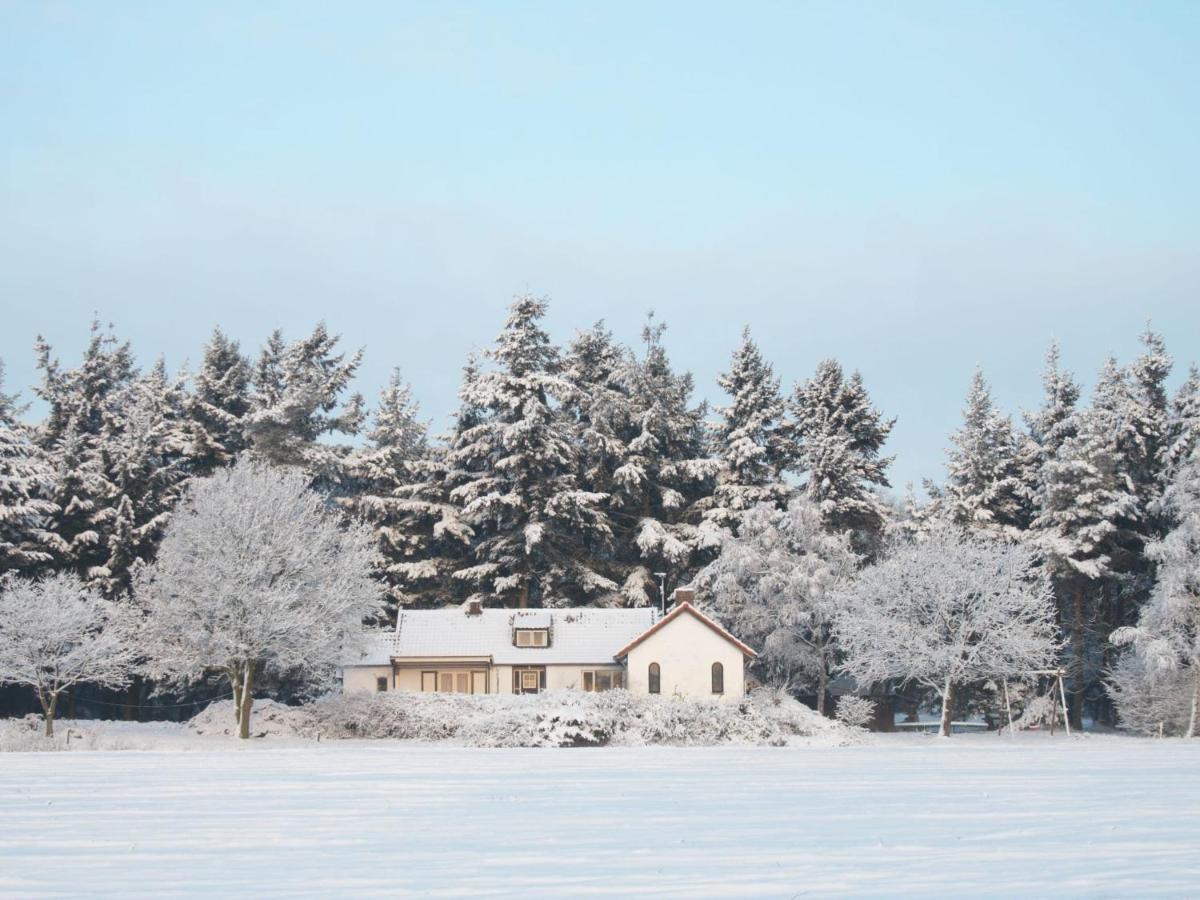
[256, 576]
[948, 611]
[58, 631]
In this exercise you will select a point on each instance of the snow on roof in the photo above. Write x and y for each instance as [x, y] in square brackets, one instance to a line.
[582, 635]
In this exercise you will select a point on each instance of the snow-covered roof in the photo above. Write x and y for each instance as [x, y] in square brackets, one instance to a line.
[581, 635]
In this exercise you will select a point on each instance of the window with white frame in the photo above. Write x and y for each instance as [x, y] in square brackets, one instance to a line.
[533, 637]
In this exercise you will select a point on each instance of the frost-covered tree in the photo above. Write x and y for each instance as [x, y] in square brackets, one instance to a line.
[749, 438]
[954, 609]
[256, 578]
[58, 631]
[218, 403]
[983, 488]
[837, 437]
[538, 533]
[26, 486]
[775, 585]
[296, 399]
[1164, 670]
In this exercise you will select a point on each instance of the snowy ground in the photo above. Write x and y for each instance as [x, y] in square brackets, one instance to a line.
[1098, 816]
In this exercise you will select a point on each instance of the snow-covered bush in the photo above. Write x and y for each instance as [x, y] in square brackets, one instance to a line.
[270, 718]
[573, 719]
[856, 712]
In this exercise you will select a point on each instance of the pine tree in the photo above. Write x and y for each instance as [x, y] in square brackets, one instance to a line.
[297, 388]
[396, 459]
[1087, 524]
[535, 526]
[983, 490]
[1052, 424]
[83, 403]
[1147, 448]
[1159, 683]
[666, 476]
[146, 447]
[1183, 428]
[218, 404]
[837, 436]
[749, 437]
[26, 484]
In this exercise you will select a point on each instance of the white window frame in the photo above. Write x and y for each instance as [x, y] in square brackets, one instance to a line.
[532, 637]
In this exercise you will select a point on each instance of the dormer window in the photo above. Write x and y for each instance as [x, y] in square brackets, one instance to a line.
[532, 637]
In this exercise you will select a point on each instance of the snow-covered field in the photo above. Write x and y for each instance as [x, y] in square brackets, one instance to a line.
[1098, 816]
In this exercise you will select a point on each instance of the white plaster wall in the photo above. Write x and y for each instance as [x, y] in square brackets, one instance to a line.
[685, 649]
[357, 679]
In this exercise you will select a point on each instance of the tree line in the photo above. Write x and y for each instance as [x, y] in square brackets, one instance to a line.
[582, 474]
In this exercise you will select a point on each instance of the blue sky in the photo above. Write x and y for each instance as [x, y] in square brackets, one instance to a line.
[915, 189]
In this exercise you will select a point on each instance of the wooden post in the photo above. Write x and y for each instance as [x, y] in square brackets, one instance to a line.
[1054, 710]
[1063, 690]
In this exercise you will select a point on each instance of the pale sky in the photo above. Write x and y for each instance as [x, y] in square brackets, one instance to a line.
[914, 189]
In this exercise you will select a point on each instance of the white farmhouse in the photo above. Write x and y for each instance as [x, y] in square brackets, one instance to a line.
[472, 650]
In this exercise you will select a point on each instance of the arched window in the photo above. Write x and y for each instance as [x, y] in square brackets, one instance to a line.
[655, 678]
[718, 678]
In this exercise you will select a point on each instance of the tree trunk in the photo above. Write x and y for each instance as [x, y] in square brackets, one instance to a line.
[947, 708]
[247, 701]
[822, 689]
[523, 597]
[132, 700]
[1079, 651]
[1193, 724]
[48, 712]
[235, 679]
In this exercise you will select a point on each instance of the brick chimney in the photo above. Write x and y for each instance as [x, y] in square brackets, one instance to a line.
[685, 595]
[473, 607]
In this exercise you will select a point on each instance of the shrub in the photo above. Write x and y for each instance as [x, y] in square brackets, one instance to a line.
[855, 712]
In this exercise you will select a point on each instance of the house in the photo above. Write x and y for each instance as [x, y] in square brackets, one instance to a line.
[469, 649]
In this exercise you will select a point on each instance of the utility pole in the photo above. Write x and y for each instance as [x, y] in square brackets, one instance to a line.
[662, 589]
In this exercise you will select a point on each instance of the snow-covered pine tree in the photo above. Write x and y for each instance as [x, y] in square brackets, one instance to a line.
[295, 400]
[147, 446]
[749, 438]
[538, 533]
[83, 402]
[79, 399]
[1146, 451]
[1161, 679]
[983, 488]
[1048, 427]
[397, 459]
[666, 477]
[1183, 428]
[598, 404]
[1086, 527]
[837, 436]
[775, 584]
[26, 485]
[218, 403]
